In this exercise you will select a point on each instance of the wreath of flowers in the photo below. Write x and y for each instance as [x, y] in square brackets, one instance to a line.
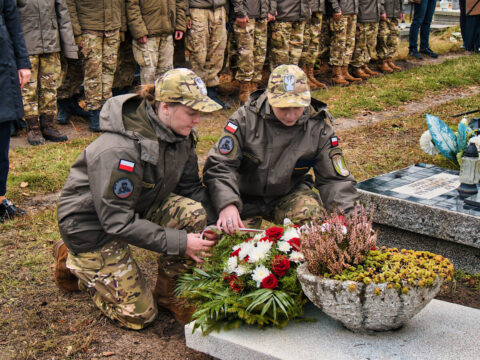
[247, 280]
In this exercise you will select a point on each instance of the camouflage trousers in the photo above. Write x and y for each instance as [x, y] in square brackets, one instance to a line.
[251, 49]
[206, 42]
[342, 41]
[388, 38]
[126, 65]
[324, 40]
[299, 206]
[155, 57]
[286, 43]
[100, 51]
[311, 40]
[72, 74]
[365, 43]
[40, 93]
[231, 52]
[113, 278]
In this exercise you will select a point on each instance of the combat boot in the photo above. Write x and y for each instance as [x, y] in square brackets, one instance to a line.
[384, 67]
[34, 136]
[244, 91]
[358, 72]
[392, 65]
[311, 78]
[94, 120]
[165, 298]
[64, 278]
[323, 68]
[338, 76]
[49, 131]
[369, 71]
[347, 75]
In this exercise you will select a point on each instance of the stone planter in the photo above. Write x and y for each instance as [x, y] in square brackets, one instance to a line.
[358, 308]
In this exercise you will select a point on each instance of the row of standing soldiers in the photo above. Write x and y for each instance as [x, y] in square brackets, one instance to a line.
[99, 43]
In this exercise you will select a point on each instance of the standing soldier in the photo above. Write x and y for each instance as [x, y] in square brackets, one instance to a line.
[100, 22]
[389, 35]
[311, 43]
[153, 23]
[369, 14]
[250, 29]
[287, 31]
[47, 30]
[206, 41]
[342, 27]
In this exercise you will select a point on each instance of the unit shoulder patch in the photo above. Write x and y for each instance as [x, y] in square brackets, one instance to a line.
[226, 145]
[339, 165]
[123, 188]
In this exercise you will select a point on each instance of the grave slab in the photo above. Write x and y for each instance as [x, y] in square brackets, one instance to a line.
[440, 331]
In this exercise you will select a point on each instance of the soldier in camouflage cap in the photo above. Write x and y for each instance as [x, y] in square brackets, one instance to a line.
[261, 164]
[137, 184]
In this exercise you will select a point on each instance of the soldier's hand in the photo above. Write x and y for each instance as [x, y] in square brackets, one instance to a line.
[402, 16]
[178, 35]
[78, 41]
[270, 17]
[337, 16]
[383, 16]
[189, 22]
[142, 40]
[242, 22]
[229, 219]
[196, 244]
[23, 77]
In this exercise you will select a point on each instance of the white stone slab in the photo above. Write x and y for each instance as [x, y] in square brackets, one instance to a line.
[440, 331]
[430, 187]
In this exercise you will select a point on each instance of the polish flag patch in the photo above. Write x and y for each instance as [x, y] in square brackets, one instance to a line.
[126, 165]
[231, 127]
[334, 141]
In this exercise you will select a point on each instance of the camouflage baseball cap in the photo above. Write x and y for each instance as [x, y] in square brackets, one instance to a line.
[184, 86]
[288, 87]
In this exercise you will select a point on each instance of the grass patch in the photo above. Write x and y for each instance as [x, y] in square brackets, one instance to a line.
[384, 92]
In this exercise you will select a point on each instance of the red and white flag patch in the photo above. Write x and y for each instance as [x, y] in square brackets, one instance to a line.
[334, 141]
[231, 127]
[126, 165]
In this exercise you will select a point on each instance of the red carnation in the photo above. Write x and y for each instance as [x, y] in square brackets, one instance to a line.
[274, 232]
[295, 243]
[373, 248]
[270, 282]
[235, 253]
[267, 238]
[229, 278]
[280, 265]
[236, 283]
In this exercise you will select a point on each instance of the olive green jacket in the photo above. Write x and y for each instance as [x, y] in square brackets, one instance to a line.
[270, 160]
[98, 15]
[93, 209]
[156, 17]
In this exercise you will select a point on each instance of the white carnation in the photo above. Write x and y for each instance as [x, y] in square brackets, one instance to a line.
[260, 273]
[240, 270]
[284, 246]
[290, 233]
[258, 236]
[259, 252]
[232, 264]
[427, 145]
[287, 222]
[246, 249]
[296, 256]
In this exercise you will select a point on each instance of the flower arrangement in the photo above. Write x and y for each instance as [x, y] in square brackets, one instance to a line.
[440, 139]
[247, 280]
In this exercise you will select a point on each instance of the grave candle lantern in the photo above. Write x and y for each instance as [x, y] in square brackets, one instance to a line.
[469, 171]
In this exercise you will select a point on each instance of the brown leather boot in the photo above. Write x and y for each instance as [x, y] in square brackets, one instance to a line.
[392, 65]
[312, 82]
[347, 75]
[359, 73]
[163, 294]
[244, 91]
[311, 76]
[49, 131]
[34, 136]
[369, 71]
[384, 67]
[338, 76]
[323, 68]
[64, 278]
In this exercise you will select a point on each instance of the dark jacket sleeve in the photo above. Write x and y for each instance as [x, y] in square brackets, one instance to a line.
[335, 6]
[12, 22]
[69, 48]
[335, 190]
[181, 15]
[238, 8]
[72, 11]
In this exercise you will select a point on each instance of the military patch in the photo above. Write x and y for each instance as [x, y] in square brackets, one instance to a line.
[231, 127]
[126, 165]
[334, 141]
[289, 82]
[226, 145]
[123, 188]
[339, 164]
[201, 85]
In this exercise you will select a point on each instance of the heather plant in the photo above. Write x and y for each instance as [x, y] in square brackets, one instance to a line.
[339, 242]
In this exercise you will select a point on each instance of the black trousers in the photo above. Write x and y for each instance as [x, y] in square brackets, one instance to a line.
[4, 145]
[470, 28]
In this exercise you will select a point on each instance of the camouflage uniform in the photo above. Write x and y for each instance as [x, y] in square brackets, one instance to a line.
[40, 93]
[71, 78]
[100, 51]
[324, 39]
[388, 38]
[287, 43]
[126, 65]
[342, 42]
[365, 43]
[206, 42]
[311, 39]
[155, 57]
[251, 49]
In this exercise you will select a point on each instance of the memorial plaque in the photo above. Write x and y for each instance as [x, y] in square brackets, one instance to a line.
[431, 186]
